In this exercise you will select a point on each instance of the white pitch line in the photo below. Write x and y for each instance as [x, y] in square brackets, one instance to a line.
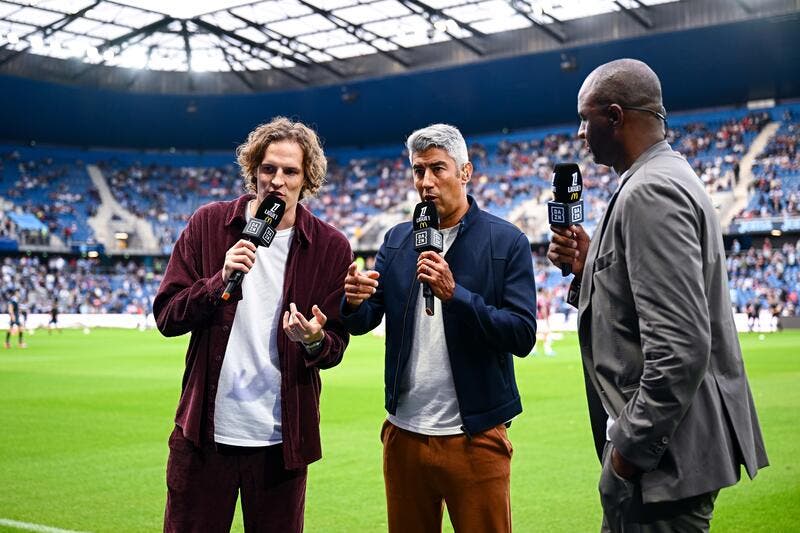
[27, 526]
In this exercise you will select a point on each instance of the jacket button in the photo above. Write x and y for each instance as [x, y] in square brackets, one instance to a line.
[225, 328]
[664, 440]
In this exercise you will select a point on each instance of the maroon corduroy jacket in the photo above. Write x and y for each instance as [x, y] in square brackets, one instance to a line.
[188, 300]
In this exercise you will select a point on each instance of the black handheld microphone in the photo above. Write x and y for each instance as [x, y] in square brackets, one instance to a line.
[567, 207]
[260, 230]
[427, 237]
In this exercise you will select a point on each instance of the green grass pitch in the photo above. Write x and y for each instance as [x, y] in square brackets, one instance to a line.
[84, 421]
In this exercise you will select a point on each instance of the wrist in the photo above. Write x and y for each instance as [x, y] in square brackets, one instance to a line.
[314, 345]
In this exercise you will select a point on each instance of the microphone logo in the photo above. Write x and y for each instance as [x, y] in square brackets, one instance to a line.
[576, 212]
[253, 227]
[575, 189]
[557, 214]
[272, 213]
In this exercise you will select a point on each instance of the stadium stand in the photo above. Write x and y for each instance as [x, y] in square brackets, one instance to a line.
[776, 181]
[81, 285]
[53, 188]
[50, 201]
[366, 190]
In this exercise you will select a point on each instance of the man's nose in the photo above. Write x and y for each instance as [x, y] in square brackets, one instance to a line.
[428, 179]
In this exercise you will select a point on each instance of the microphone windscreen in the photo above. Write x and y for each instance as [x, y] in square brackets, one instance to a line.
[425, 216]
[567, 183]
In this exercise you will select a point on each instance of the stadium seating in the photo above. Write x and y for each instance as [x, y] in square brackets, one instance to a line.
[776, 184]
[51, 187]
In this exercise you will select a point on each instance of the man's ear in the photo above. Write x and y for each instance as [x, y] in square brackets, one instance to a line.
[466, 172]
[615, 115]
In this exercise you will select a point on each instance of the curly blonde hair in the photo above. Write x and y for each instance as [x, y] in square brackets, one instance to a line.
[250, 154]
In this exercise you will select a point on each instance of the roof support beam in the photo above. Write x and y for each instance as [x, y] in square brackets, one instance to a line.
[93, 66]
[745, 6]
[357, 31]
[229, 60]
[431, 12]
[144, 30]
[187, 48]
[288, 41]
[635, 15]
[216, 30]
[47, 30]
[524, 9]
[238, 43]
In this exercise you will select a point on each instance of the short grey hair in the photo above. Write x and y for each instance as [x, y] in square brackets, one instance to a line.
[443, 136]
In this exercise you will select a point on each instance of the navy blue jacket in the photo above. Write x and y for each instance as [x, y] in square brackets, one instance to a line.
[491, 316]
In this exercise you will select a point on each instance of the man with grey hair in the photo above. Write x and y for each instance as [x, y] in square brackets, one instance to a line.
[669, 403]
[449, 377]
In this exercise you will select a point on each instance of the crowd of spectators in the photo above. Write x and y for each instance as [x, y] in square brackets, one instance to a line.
[509, 170]
[762, 278]
[79, 285]
[765, 278]
[362, 184]
[360, 188]
[167, 195]
[715, 150]
[58, 193]
[775, 190]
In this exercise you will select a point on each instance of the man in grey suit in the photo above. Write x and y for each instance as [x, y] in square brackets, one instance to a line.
[669, 403]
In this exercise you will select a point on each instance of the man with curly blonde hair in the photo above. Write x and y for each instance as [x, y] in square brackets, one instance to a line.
[248, 417]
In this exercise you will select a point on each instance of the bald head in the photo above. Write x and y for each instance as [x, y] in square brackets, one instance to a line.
[627, 82]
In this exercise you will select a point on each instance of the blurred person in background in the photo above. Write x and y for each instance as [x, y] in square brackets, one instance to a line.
[669, 402]
[53, 323]
[248, 417]
[16, 324]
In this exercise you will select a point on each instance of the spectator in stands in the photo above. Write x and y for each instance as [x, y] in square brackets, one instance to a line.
[450, 388]
[248, 416]
[671, 409]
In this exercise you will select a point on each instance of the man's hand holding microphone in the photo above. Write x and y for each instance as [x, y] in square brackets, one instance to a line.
[568, 246]
[569, 242]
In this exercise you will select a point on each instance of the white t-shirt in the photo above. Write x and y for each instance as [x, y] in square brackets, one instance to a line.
[248, 404]
[427, 402]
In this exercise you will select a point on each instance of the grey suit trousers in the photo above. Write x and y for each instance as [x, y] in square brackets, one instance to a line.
[624, 512]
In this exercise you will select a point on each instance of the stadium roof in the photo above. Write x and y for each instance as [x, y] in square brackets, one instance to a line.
[241, 46]
[236, 35]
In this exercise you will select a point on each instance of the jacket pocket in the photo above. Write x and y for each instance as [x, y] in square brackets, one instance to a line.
[604, 261]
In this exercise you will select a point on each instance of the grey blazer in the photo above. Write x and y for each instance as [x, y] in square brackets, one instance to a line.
[660, 350]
